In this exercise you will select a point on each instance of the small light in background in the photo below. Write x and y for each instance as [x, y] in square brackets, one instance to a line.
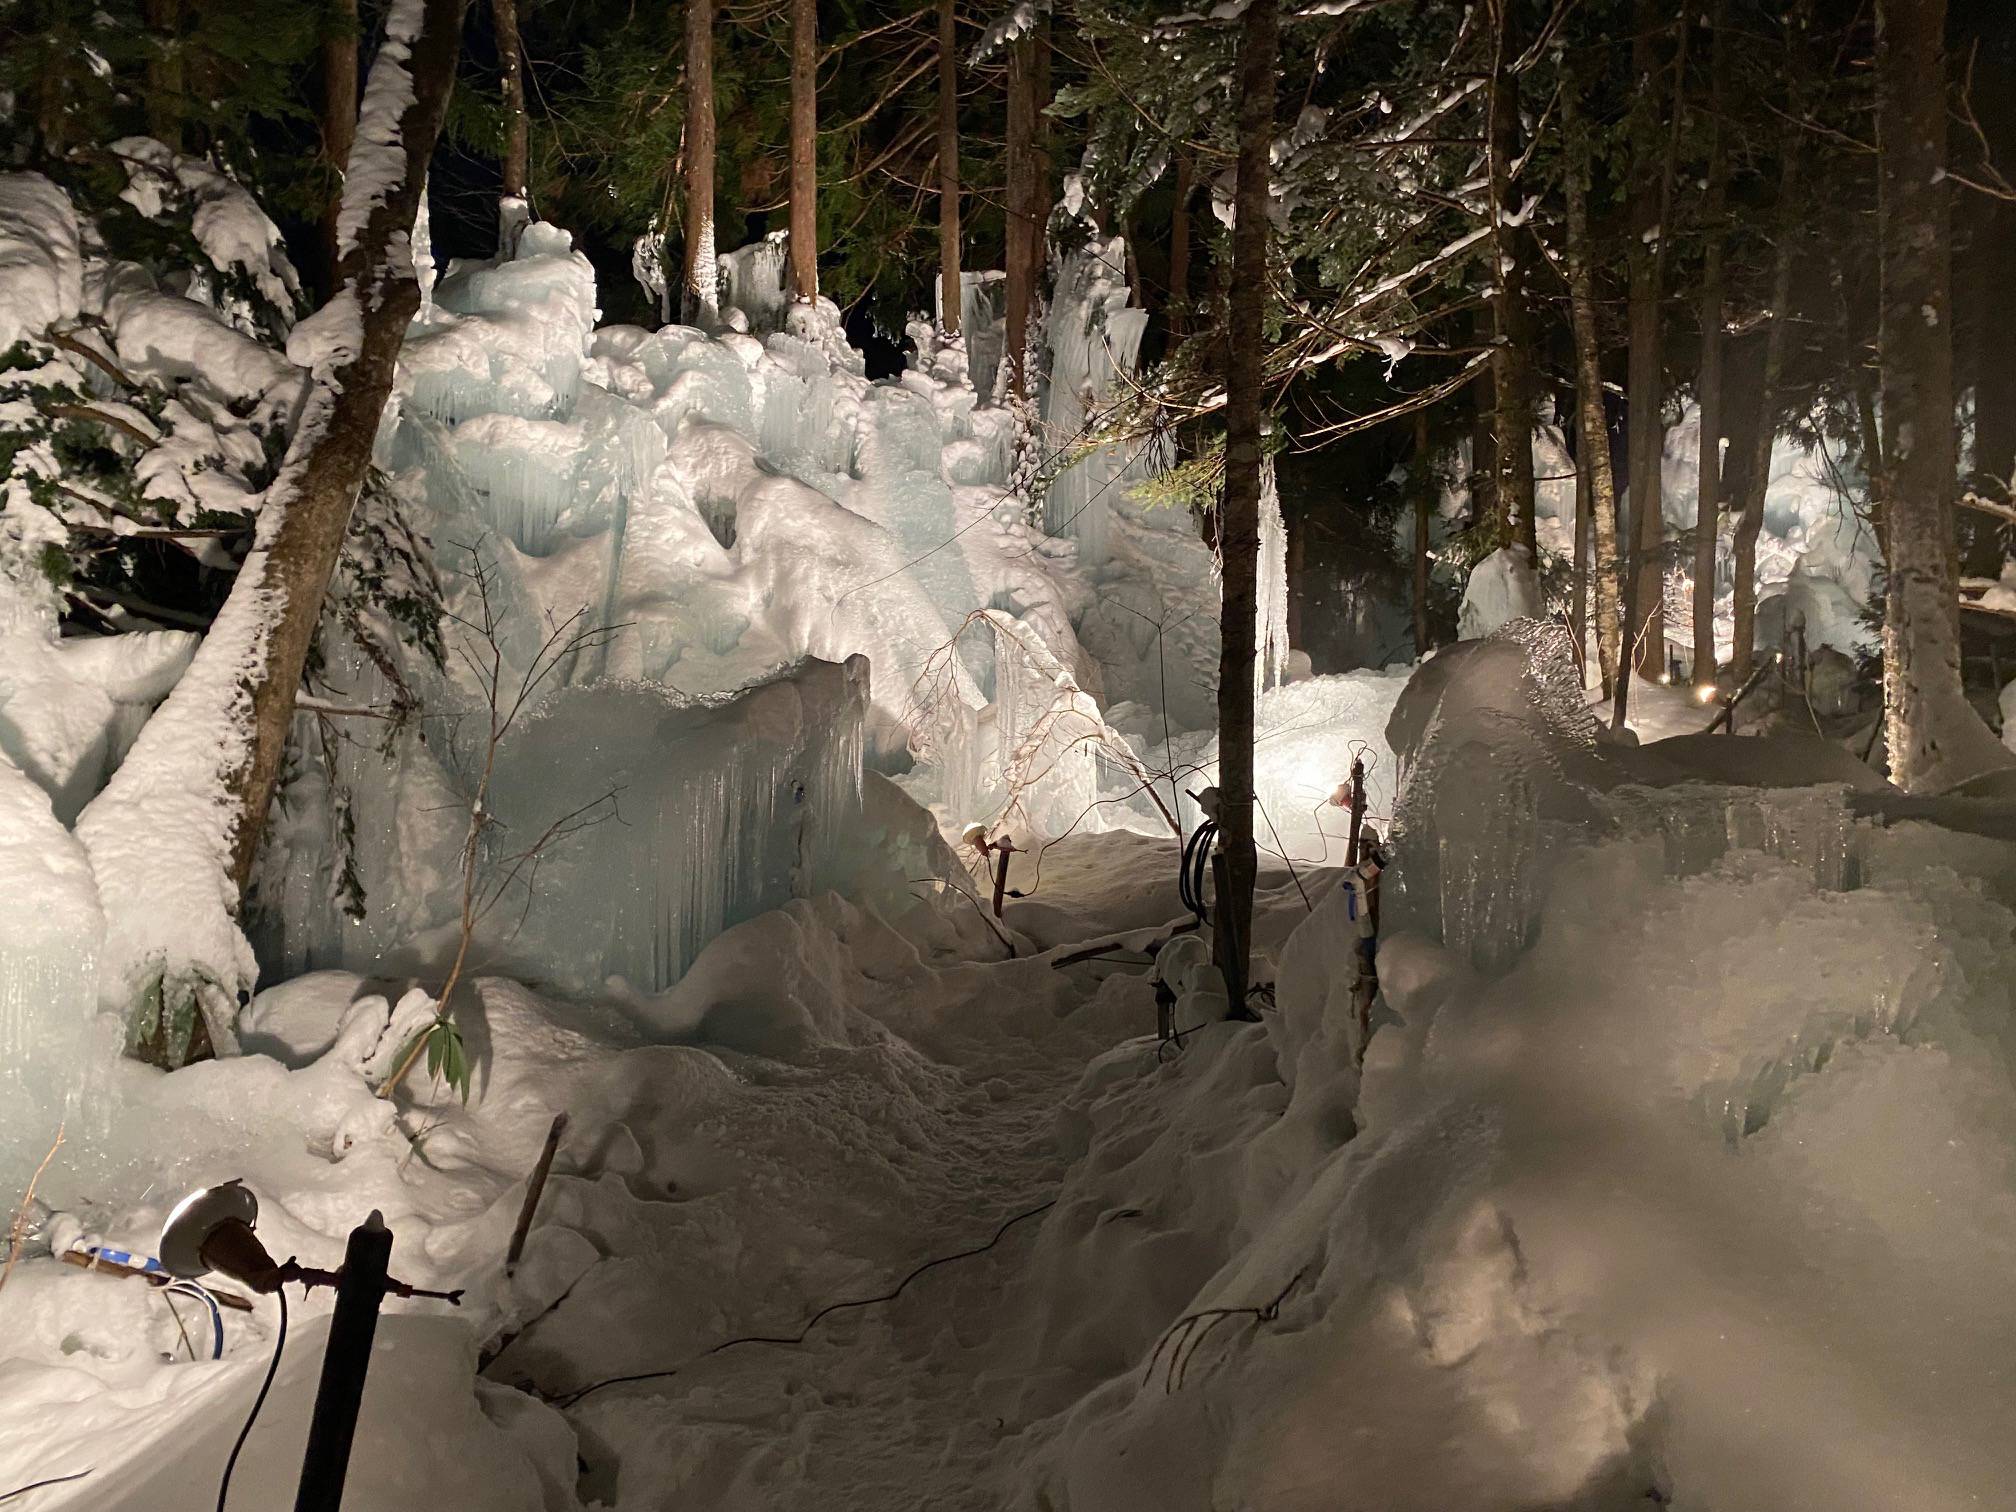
[1706, 693]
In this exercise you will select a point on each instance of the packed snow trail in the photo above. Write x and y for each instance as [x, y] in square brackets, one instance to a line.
[835, 1178]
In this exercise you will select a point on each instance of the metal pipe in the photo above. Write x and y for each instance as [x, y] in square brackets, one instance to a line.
[360, 1290]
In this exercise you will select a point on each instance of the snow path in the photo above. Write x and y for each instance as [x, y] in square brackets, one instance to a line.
[831, 1178]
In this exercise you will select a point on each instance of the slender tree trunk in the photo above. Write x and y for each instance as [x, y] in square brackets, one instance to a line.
[1021, 174]
[949, 287]
[1259, 37]
[700, 302]
[1757, 474]
[1708, 382]
[517, 125]
[1512, 350]
[1421, 483]
[1578, 577]
[1592, 424]
[339, 120]
[804, 150]
[1935, 737]
[1179, 243]
[165, 88]
[1651, 207]
[1483, 478]
[1042, 187]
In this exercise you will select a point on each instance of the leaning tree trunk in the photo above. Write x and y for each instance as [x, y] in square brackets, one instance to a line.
[339, 120]
[804, 150]
[1021, 230]
[1592, 425]
[1239, 527]
[950, 291]
[700, 300]
[517, 125]
[186, 810]
[1512, 347]
[1935, 737]
[1708, 381]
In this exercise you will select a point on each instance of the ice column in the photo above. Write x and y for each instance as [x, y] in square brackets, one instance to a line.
[50, 931]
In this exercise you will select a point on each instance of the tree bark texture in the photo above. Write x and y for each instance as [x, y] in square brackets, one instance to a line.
[1240, 525]
[1179, 242]
[1708, 380]
[1592, 424]
[1934, 736]
[700, 300]
[1021, 232]
[339, 119]
[805, 150]
[1512, 348]
[377, 271]
[949, 285]
[517, 125]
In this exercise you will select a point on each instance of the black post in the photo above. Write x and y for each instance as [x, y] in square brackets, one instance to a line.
[359, 1291]
[1357, 810]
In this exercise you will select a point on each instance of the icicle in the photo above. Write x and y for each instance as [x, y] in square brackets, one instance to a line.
[1270, 632]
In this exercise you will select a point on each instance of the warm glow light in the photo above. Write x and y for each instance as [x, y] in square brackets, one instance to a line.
[1705, 693]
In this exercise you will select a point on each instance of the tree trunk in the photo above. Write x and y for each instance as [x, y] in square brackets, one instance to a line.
[1592, 424]
[804, 150]
[1651, 207]
[949, 286]
[201, 777]
[1421, 482]
[1042, 186]
[1708, 382]
[1777, 333]
[1179, 243]
[166, 91]
[517, 125]
[1578, 576]
[1512, 349]
[339, 120]
[1935, 737]
[1021, 175]
[1239, 531]
[700, 302]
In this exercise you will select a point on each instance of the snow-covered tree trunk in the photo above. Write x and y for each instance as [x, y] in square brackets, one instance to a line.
[804, 150]
[339, 117]
[1592, 425]
[1935, 737]
[700, 297]
[949, 288]
[1239, 519]
[173, 836]
[1708, 380]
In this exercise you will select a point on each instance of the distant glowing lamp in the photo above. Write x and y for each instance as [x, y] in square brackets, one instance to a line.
[1707, 693]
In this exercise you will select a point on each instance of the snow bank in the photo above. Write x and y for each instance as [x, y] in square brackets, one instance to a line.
[41, 268]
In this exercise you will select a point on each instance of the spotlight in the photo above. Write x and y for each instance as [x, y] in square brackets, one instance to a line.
[1707, 693]
[211, 1230]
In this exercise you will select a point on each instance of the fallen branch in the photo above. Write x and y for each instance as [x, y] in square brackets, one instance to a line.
[19, 1226]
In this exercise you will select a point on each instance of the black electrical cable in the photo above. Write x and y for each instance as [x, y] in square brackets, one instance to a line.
[1190, 874]
[272, 1369]
[54, 1480]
